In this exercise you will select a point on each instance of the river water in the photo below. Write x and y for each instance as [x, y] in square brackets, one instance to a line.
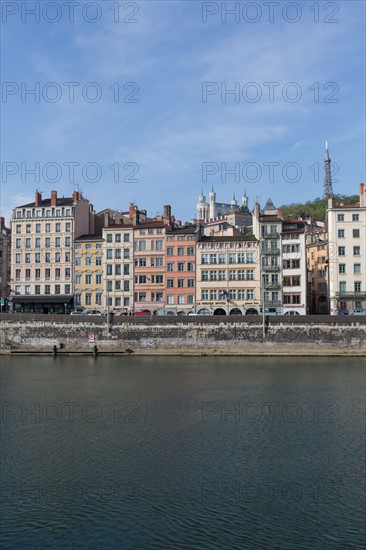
[183, 453]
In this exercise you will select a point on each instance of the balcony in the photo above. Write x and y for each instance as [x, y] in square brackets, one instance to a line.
[270, 236]
[272, 286]
[353, 295]
[272, 304]
[270, 268]
[272, 251]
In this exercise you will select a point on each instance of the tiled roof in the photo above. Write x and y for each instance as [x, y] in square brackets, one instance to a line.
[47, 202]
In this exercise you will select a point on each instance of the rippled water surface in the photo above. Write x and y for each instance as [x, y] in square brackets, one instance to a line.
[183, 453]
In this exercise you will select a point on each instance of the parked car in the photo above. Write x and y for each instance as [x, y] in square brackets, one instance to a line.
[77, 312]
[357, 312]
[95, 312]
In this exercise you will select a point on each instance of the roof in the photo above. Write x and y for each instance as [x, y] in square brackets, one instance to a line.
[150, 224]
[269, 205]
[47, 202]
[236, 238]
[179, 230]
[89, 238]
[118, 226]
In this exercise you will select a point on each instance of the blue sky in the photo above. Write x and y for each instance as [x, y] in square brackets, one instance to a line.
[169, 54]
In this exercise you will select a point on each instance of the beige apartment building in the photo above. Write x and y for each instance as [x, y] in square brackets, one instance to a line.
[4, 264]
[42, 251]
[347, 255]
[227, 275]
[317, 267]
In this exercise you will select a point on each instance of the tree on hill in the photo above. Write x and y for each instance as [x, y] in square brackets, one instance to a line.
[316, 208]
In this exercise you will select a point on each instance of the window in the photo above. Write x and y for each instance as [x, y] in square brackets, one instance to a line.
[126, 237]
[18, 258]
[126, 269]
[28, 258]
[232, 275]
[356, 268]
[98, 299]
[170, 251]
[38, 228]
[159, 279]
[47, 289]
[341, 233]
[58, 227]
[38, 289]
[180, 266]
[204, 258]
[78, 279]
[38, 242]
[181, 299]
[88, 246]
[190, 251]
[159, 262]
[159, 245]
[180, 251]
[27, 273]
[57, 289]
[126, 286]
[213, 275]
[355, 217]
[159, 296]
[109, 269]
[48, 242]
[18, 243]
[170, 300]
[190, 283]
[342, 268]
[19, 228]
[341, 251]
[98, 259]
[17, 289]
[88, 279]
[57, 273]
[250, 294]
[98, 279]
[58, 257]
[250, 275]
[67, 256]
[222, 258]
[109, 237]
[180, 283]
[170, 283]
[28, 228]
[340, 217]
[342, 286]
[17, 274]
[68, 226]
[142, 231]
[142, 279]
[222, 275]
[357, 286]
[190, 299]
[170, 266]
[117, 238]
[232, 294]
[48, 228]
[241, 258]
[356, 233]
[190, 266]
[27, 289]
[204, 294]
[213, 294]
[109, 253]
[356, 251]
[126, 254]
[232, 258]
[47, 273]
[142, 245]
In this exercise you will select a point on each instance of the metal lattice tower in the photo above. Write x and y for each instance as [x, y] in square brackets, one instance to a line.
[327, 186]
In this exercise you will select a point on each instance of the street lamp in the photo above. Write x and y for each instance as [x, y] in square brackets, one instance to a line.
[263, 311]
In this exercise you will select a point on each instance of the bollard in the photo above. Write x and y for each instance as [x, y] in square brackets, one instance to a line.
[55, 351]
[95, 351]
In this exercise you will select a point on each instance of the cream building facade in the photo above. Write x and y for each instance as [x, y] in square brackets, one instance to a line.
[347, 255]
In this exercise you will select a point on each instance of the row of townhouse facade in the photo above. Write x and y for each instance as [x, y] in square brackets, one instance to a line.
[64, 256]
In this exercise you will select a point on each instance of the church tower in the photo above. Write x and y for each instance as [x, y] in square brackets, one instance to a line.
[212, 200]
[202, 208]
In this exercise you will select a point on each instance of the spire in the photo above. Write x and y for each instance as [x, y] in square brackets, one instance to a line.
[327, 186]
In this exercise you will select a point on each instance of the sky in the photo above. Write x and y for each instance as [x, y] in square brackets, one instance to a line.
[154, 101]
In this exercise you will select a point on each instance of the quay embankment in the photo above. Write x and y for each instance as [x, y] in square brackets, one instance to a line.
[191, 335]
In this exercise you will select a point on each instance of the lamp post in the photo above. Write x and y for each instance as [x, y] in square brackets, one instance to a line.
[107, 328]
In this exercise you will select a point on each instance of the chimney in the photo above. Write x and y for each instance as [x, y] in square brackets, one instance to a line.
[331, 202]
[106, 217]
[53, 198]
[136, 216]
[131, 211]
[256, 211]
[362, 194]
[167, 214]
[38, 198]
[75, 196]
[2, 223]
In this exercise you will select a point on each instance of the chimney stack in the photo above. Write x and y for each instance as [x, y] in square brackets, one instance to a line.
[136, 216]
[362, 194]
[53, 198]
[331, 202]
[2, 223]
[131, 211]
[75, 196]
[106, 218]
[38, 198]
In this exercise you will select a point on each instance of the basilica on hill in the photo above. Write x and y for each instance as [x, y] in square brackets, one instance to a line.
[210, 210]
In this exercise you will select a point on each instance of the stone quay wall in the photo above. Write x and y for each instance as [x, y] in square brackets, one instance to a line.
[191, 335]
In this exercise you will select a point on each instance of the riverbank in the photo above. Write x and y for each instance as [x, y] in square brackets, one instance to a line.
[183, 336]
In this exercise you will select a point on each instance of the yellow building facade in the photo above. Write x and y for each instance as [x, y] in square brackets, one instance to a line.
[88, 276]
